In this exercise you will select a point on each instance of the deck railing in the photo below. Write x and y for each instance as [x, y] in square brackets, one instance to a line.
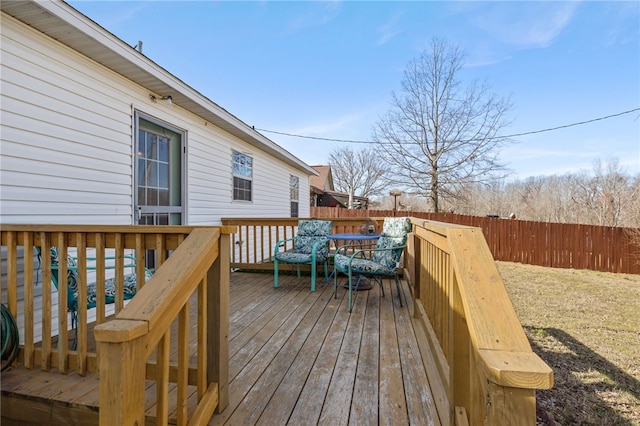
[484, 370]
[191, 268]
[253, 244]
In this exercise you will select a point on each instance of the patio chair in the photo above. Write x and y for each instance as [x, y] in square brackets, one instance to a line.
[382, 259]
[109, 284]
[310, 247]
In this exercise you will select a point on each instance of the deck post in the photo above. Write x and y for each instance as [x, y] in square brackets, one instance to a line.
[510, 406]
[121, 370]
[218, 322]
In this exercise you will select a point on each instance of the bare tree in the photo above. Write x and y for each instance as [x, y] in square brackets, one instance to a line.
[358, 173]
[606, 196]
[438, 134]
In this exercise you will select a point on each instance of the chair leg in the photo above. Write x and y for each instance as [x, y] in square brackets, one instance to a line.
[350, 303]
[313, 276]
[399, 292]
[275, 273]
[379, 281]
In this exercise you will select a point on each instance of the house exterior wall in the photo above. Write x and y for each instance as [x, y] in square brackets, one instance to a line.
[66, 152]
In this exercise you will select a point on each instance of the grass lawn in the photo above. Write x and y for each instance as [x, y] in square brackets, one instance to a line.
[586, 326]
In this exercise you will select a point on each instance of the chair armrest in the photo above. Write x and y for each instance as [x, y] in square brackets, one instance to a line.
[370, 251]
[280, 244]
[350, 245]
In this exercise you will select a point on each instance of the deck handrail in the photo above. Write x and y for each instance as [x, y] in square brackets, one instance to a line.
[199, 265]
[484, 368]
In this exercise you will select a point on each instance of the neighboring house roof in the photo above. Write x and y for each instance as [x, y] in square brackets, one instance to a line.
[323, 184]
[65, 24]
[324, 180]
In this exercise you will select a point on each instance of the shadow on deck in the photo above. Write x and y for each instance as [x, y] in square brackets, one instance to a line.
[295, 357]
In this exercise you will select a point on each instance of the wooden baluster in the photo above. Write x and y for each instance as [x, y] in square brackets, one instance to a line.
[28, 300]
[45, 258]
[81, 326]
[140, 262]
[162, 380]
[63, 290]
[183, 363]
[161, 249]
[262, 254]
[119, 273]
[100, 278]
[271, 244]
[255, 244]
[246, 244]
[12, 273]
[202, 338]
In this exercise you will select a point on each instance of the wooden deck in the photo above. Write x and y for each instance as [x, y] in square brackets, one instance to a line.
[296, 357]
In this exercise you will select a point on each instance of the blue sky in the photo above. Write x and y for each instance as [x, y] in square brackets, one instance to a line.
[327, 69]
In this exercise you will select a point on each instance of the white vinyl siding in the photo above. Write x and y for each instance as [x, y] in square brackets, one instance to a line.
[66, 154]
[66, 146]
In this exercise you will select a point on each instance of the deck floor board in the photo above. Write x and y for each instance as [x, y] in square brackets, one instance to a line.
[296, 357]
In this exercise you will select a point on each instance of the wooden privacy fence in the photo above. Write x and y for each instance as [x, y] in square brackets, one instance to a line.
[555, 245]
[191, 270]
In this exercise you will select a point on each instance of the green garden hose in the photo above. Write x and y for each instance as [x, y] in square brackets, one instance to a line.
[10, 338]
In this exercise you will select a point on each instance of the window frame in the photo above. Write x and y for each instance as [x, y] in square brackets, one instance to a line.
[294, 195]
[237, 177]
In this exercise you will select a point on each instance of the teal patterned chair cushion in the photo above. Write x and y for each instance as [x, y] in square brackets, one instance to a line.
[383, 259]
[309, 233]
[130, 284]
[310, 246]
[361, 266]
[314, 228]
[394, 234]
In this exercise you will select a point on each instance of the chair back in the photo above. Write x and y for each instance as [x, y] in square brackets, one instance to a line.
[309, 232]
[394, 234]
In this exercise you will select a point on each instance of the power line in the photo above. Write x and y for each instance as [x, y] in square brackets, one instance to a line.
[550, 129]
[313, 137]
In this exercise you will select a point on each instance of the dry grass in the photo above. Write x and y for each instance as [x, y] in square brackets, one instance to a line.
[586, 326]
